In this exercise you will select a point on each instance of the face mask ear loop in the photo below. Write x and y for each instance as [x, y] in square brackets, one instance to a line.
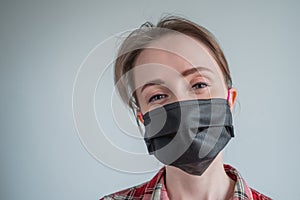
[228, 94]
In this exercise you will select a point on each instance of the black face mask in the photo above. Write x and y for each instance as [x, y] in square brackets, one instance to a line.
[189, 134]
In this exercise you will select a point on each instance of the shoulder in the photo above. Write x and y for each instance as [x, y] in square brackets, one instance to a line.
[136, 192]
[258, 196]
[141, 191]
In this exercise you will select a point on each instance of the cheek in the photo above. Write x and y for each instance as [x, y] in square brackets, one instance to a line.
[218, 90]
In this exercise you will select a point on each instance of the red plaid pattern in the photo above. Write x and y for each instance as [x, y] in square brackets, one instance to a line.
[155, 189]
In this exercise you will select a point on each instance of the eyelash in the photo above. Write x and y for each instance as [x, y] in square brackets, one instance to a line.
[156, 97]
[161, 96]
[199, 83]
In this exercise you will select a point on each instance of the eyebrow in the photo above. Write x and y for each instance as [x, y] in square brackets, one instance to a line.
[152, 82]
[195, 70]
[184, 73]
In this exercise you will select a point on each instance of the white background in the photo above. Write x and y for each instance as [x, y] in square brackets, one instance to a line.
[43, 43]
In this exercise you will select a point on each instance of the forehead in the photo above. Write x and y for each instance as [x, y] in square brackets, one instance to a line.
[178, 52]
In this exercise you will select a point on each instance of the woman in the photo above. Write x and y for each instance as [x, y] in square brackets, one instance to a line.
[176, 79]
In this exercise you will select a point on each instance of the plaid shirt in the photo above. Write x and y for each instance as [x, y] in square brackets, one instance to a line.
[155, 189]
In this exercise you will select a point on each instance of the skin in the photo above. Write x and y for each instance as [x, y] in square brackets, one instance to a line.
[176, 68]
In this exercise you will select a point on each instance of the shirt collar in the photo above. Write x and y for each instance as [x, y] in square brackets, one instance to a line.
[241, 189]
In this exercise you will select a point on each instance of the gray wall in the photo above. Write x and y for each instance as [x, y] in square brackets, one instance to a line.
[42, 45]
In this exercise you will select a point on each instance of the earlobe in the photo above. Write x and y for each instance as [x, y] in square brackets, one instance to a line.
[232, 93]
[140, 117]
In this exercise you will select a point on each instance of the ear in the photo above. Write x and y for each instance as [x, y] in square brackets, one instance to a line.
[232, 97]
[140, 116]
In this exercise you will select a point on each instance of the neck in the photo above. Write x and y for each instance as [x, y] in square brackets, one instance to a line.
[212, 184]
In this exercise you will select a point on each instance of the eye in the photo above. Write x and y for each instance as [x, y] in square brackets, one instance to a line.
[199, 85]
[157, 97]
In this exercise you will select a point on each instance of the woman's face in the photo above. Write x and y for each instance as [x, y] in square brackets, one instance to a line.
[176, 68]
